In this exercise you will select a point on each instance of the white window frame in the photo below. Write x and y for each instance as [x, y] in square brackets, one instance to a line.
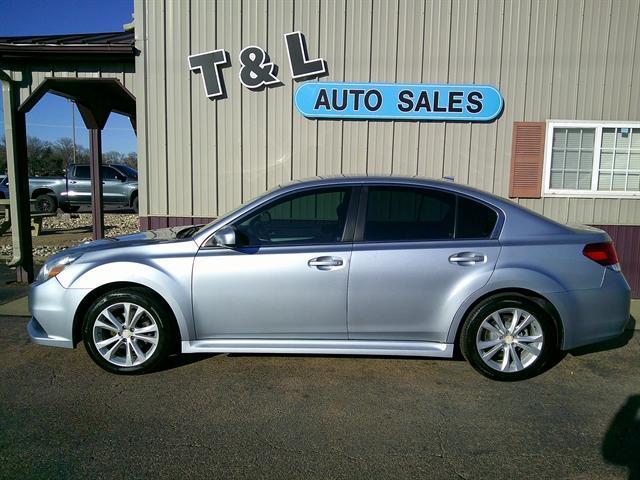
[547, 191]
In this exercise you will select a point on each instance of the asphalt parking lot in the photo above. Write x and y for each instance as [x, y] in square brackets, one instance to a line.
[263, 416]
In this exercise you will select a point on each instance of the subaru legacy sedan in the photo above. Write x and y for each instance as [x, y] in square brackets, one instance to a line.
[348, 266]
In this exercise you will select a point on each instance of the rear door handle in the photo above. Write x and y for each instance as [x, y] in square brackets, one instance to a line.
[467, 258]
[325, 263]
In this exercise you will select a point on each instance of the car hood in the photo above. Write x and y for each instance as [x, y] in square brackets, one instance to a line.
[150, 237]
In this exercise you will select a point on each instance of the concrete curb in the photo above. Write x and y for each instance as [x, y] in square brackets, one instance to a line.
[16, 308]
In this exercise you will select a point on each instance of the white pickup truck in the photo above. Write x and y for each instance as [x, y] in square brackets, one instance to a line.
[119, 188]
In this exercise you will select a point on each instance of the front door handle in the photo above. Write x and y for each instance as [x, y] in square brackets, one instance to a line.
[325, 263]
[467, 258]
[72, 182]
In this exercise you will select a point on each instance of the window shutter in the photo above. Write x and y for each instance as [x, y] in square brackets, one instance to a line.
[527, 158]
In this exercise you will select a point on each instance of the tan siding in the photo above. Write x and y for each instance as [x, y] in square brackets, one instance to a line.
[593, 57]
[512, 84]
[555, 59]
[305, 131]
[203, 111]
[557, 208]
[617, 85]
[435, 69]
[179, 170]
[581, 210]
[254, 105]
[384, 49]
[566, 62]
[279, 103]
[487, 71]
[229, 130]
[332, 42]
[464, 16]
[606, 211]
[156, 109]
[357, 69]
[408, 70]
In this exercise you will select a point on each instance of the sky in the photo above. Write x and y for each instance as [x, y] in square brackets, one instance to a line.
[51, 118]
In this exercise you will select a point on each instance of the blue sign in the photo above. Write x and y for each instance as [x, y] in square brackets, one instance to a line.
[394, 101]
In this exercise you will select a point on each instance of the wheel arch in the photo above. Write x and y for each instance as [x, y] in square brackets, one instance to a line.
[538, 298]
[101, 290]
[42, 191]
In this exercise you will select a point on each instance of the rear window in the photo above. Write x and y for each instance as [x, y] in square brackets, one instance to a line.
[475, 220]
[419, 214]
[405, 214]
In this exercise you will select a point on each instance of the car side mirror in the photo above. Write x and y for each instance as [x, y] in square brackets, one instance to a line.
[225, 237]
[122, 178]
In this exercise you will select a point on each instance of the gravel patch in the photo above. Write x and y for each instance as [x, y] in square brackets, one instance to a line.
[67, 230]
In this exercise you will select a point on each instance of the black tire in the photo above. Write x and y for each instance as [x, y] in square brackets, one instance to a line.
[69, 208]
[46, 203]
[483, 311]
[134, 204]
[165, 336]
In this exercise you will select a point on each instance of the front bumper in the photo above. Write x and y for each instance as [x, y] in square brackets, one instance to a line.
[53, 308]
[594, 315]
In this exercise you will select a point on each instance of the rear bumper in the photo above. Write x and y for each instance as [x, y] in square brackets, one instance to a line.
[594, 315]
[53, 308]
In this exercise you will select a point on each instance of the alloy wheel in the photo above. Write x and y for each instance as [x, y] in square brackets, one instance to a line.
[125, 334]
[509, 340]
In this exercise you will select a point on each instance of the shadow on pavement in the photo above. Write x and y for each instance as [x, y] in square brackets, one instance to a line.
[184, 359]
[612, 344]
[621, 444]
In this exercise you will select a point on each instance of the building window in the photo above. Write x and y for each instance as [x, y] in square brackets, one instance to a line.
[592, 159]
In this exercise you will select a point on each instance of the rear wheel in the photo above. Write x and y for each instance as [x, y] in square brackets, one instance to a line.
[46, 203]
[509, 337]
[128, 331]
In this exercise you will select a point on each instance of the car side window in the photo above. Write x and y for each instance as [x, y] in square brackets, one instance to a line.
[312, 217]
[82, 171]
[406, 214]
[474, 220]
[108, 173]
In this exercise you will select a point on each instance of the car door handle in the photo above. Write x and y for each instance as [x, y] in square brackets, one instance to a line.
[325, 263]
[467, 258]
[72, 182]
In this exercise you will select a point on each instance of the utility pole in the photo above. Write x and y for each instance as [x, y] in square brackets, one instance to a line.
[73, 127]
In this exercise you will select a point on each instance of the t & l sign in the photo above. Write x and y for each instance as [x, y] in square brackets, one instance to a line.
[365, 101]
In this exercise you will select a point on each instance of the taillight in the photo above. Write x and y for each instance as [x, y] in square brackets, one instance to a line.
[604, 253]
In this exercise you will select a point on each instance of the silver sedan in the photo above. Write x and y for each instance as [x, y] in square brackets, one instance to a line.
[365, 266]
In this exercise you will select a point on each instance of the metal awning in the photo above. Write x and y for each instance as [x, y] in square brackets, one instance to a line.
[23, 59]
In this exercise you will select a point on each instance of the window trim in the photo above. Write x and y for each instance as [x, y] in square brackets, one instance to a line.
[347, 234]
[549, 192]
[364, 201]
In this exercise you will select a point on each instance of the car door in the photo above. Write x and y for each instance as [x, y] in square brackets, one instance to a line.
[112, 185]
[418, 254]
[79, 184]
[287, 278]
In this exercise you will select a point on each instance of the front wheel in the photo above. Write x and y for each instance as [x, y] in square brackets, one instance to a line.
[127, 331]
[46, 203]
[509, 337]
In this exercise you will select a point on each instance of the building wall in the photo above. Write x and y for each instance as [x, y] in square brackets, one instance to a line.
[568, 59]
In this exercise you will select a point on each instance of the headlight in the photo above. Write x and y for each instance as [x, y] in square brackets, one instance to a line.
[53, 267]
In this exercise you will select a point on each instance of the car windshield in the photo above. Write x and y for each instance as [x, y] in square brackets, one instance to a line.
[244, 204]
